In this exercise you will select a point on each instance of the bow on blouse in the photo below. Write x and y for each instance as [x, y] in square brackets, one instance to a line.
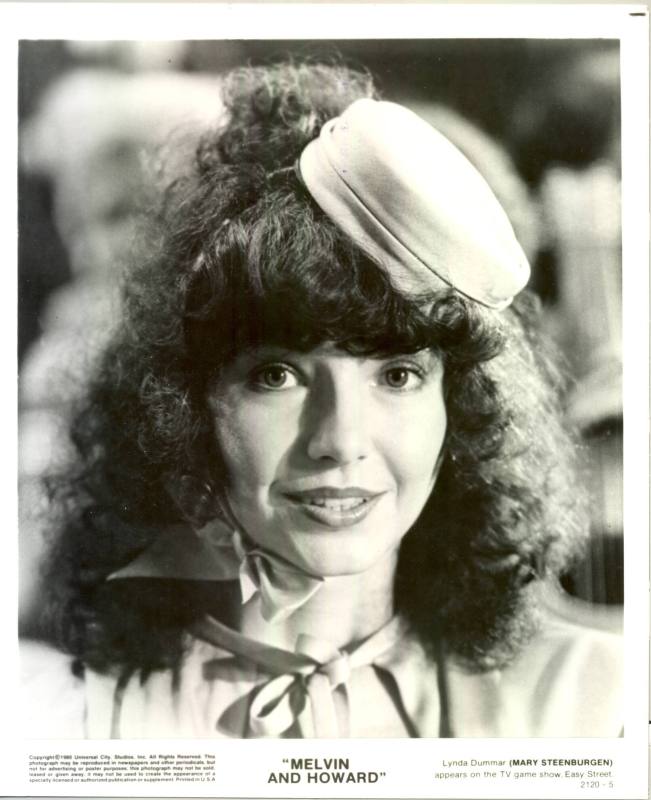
[307, 687]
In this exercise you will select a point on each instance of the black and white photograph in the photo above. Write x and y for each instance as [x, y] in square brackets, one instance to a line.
[320, 401]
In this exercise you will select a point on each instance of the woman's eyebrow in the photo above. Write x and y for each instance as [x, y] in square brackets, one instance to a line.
[267, 351]
[428, 356]
[254, 356]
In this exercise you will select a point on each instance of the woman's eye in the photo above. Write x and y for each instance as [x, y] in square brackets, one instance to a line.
[402, 378]
[274, 377]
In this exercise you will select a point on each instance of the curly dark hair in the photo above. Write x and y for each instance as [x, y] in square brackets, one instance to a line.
[237, 254]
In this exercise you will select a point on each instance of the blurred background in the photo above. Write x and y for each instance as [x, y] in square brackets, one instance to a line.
[539, 118]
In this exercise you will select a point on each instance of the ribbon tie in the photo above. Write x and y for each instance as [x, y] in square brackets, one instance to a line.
[309, 686]
[320, 683]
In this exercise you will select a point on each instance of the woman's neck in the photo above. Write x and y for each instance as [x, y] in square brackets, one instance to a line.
[346, 609]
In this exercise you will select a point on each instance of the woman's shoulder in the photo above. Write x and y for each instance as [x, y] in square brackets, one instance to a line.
[570, 679]
[52, 695]
[566, 682]
[579, 641]
[589, 653]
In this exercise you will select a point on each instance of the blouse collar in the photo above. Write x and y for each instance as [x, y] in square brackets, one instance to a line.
[179, 553]
[218, 553]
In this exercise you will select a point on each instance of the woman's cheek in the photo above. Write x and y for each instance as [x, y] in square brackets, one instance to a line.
[254, 443]
[416, 438]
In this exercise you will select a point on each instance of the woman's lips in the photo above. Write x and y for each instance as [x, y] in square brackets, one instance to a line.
[335, 508]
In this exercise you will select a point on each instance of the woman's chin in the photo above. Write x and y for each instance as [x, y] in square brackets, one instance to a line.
[347, 553]
[331, 542]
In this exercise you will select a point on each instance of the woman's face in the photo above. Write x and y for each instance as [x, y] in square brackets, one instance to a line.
[330, 456]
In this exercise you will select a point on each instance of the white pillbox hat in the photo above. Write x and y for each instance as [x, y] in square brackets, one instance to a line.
[414, 204]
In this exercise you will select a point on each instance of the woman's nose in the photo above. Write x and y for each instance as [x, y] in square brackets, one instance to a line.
[336, 424]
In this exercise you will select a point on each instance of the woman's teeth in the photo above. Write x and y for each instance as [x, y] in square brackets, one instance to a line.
[335, 512]
[337, 504]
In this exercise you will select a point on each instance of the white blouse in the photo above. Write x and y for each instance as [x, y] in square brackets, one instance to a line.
[567, 682]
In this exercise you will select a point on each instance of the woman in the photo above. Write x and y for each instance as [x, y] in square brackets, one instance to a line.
[322, 472]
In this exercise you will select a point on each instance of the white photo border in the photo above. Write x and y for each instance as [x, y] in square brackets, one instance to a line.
[409, 764]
